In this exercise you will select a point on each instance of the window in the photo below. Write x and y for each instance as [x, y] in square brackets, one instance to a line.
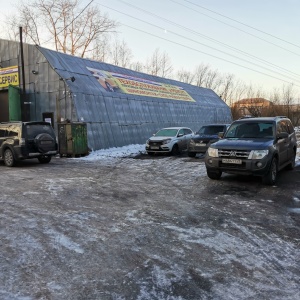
[282, 127]
[2, 132]
[187, 131]
[13, 131]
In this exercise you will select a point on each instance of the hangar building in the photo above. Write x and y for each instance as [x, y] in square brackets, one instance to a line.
[119, 106]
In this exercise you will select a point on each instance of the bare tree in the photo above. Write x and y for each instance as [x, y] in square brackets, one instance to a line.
[101, 50]
[137, 66]
[159, 64]
[64, 24]
[120, 54]
[201, 74]
[225, 88]
[185, 76]
[287, 99]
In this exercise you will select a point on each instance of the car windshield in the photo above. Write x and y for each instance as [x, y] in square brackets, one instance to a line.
[211, 130]
[250, 130]
[167, 132]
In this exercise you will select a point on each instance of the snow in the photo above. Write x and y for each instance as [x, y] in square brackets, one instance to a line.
[125, 151]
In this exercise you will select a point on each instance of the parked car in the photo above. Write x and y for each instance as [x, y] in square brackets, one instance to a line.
[205, 136]
[169, 140]
[254, 146]
[25, 140]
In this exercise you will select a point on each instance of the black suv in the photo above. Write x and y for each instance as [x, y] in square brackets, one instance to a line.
[254, 146]
[24, 140]
[205, 136]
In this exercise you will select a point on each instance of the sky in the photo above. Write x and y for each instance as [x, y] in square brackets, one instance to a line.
[257, 41]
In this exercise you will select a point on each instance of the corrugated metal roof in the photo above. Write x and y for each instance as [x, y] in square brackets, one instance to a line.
[118, 118]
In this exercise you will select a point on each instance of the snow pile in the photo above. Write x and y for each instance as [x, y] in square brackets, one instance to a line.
[125, 151]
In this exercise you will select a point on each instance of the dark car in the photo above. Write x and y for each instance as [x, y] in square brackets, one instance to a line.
[254, 146]
[25, 140]
[204, 137]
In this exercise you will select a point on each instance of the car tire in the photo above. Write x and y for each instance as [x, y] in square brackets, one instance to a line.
[40, 144]
[9, 159]
[215, 175]
[192, 154]
[175, 150]
[292, 164]
[44, 159]
[271, 176]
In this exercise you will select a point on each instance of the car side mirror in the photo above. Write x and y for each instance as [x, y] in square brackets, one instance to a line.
[282, 135]
[220, 135]
[180, 134]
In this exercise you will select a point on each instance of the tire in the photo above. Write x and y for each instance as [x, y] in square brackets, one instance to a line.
[271, 176]
[215, 175]
[8, 158]
[44, 159]
[44, 142]
[292, 164]
[192, 154]
[175, 150]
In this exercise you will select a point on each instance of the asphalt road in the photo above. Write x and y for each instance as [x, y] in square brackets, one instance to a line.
[146, 228]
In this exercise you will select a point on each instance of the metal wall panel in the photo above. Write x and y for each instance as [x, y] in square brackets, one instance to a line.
[113, 119]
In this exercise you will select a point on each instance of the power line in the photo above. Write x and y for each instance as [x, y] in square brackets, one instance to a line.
[209, 54]
[203, 45]
[236, 28]
[208, 38]
[72, 20]
[259, 30]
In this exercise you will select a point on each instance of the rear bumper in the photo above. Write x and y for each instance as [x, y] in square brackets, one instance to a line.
[23, 153]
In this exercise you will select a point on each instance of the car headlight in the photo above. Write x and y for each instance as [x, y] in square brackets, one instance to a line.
[192, 142]
[258, 154]
[212, 152]
[147, 142]
[166, 141]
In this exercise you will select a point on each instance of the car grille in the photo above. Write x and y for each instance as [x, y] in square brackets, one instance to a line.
[239, 154]
[234, 154]
[155, 143]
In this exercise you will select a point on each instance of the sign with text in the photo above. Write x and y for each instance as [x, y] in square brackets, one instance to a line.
[115, 82]
[9, 76]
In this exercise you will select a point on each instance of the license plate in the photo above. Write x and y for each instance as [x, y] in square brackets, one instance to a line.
[154, 147]
[201, 144]
[232, 161]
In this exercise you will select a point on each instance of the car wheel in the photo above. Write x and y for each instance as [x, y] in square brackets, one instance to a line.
[44, 142]
[8, 158]
[216, 175]
[292, 164]
[192, 154]
[271, 176]
[175, 150]
[44, 159]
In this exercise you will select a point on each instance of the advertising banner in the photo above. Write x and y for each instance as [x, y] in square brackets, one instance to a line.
[115, 82]
[9, 76]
